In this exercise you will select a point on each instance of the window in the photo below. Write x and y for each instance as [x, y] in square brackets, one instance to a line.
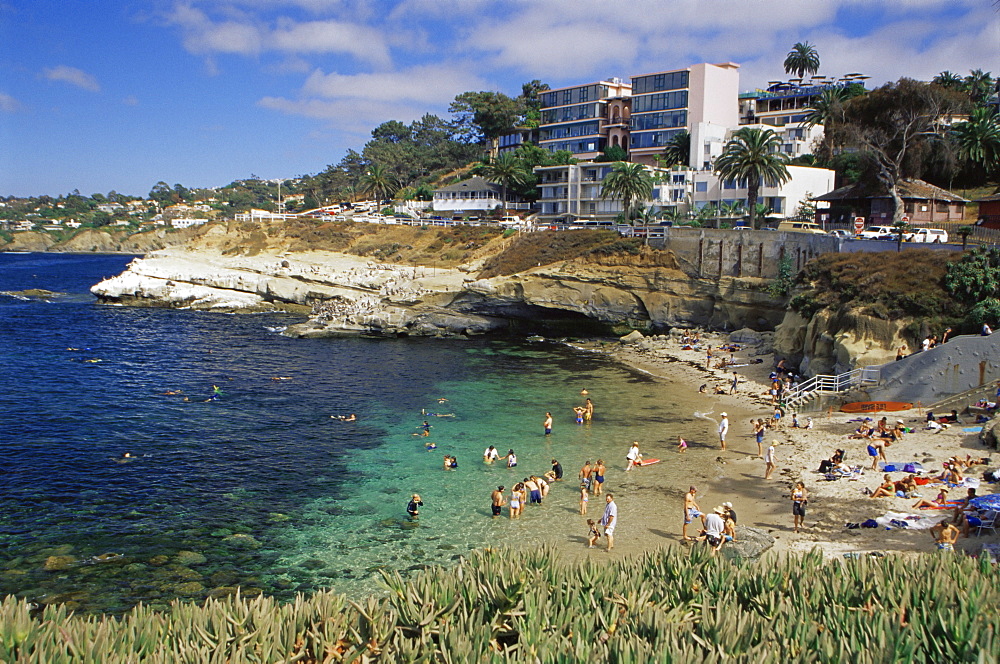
[567, 96]
[656, 82]
[678, 178]
[942, 206]
[659, 101]
[701, 186]
[658, 120]
[729, 184]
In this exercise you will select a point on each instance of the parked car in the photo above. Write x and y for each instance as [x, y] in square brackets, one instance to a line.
[935, 235]
[878, 233]
[801, 227]
[842, 233]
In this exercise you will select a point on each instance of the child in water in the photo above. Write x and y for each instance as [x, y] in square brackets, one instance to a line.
[584, 498]
[594, 535]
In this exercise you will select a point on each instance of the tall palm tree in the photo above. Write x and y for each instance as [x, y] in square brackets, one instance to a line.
[948, 79]
[378, 182]
[752, 156]
[978, 139]
[678, 149]
[507, 171]
[802, 59]
[629, 182]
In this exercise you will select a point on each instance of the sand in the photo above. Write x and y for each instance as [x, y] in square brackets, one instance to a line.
[766, 504]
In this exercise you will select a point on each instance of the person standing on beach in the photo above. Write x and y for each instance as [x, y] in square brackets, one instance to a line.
[758, 432]
[598, 477]
[799, 499]
[691, 511]
[585, 473]
[610, 520]
[498, 501]
[736, 381]
[769, 460]
[633, 455]
[723, 429]
[547, 424]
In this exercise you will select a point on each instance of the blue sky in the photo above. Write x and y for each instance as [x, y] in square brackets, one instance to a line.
[98, 95]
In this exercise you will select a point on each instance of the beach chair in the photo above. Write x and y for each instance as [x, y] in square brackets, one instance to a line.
[987, 521]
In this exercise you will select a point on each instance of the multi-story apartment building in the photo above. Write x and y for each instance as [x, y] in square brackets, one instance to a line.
[789, 102]
[669, 102]
[580, 118]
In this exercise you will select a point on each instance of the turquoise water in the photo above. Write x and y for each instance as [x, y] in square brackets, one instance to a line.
[262, 489]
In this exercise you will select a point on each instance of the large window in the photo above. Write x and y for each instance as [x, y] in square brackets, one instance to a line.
[656, 82]
[574, 95]
[653, 139]
[588, 145]
[571, 113]
[667, 120]
[569, 131]
[660, 101]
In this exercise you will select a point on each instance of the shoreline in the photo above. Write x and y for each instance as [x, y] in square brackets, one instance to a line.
[832, 504]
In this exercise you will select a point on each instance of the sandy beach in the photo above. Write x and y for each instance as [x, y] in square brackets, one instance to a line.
[739, 472]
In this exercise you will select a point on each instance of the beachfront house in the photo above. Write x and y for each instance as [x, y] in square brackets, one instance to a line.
[923, 204]
[473, 197]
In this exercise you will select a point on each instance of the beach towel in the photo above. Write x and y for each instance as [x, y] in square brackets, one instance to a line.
[909, 521]
[972, 429]
[900, 467]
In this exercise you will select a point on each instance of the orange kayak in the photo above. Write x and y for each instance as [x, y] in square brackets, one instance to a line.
[875, 406]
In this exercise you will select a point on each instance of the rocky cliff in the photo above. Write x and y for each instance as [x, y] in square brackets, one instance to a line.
[359, 279]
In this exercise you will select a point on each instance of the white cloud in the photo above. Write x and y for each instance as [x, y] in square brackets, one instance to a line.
[433, 84]
[363, 43]
[73, 76]
[130, 100]
[9, 104]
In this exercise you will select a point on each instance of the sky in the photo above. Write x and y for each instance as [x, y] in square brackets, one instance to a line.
[101, 95]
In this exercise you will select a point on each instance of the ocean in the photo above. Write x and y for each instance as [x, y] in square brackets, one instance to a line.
[262, 487]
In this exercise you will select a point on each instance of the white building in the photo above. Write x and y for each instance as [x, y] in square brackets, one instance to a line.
[474, 195]
[707, 188]
[187, 222]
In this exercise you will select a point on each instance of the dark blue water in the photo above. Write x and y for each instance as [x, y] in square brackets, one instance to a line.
[260, 488]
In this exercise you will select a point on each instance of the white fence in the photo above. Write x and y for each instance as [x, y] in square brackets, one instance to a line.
[828, 384]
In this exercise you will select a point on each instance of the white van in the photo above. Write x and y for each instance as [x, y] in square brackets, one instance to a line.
[936, 235]
[801, 227]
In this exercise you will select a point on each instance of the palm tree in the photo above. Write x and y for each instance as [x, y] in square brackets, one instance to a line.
[828, 108]
[965, 232]
[979, 84]
[978, 139]
[378, 182]
[629, 182]
[801, 59]
[948, 79]
[678, 149]
[752, 156]
[506, 170]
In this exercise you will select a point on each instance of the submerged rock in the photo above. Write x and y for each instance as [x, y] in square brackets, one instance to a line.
[189, 558]
[750, 543]
[59, 563]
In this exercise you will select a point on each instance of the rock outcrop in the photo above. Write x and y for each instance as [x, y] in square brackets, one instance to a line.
[349, 295]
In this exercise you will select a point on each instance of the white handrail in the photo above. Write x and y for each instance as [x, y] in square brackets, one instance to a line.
[831, 384]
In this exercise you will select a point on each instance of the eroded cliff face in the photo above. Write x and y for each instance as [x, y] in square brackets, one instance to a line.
[833, 343]
[351, 294]
[101, 241]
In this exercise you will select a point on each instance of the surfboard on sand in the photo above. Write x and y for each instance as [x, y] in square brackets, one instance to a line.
[646, 462]
[875, 406]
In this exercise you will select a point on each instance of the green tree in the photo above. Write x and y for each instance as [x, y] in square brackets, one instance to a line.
[802, 59]
[631, 183]
[612, 153]
[948, 79]
[377, 182]
[893, 126]
[978, 140]
[751, 156]
[964, 231]
[979, 85]
[485, 116]
[678, 149]
[531, 100]
[975, 279]
[506, 170]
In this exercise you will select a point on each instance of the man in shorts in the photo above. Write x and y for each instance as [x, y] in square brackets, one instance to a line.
[723, 429]
[498, 501]
[610, 520]
[714, 528]
[691, 511]
[945, 535]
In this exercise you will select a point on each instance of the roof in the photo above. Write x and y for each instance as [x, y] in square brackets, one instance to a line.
[990, 198]
[472, 184]
[908, 188]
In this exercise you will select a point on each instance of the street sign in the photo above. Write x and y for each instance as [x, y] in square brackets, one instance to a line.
[859, 224]
[904, 219]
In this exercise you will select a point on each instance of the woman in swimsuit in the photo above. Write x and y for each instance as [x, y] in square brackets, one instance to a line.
[516, 500]
[599, 470]
[799, 500]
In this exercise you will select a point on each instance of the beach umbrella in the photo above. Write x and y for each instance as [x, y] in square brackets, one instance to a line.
[988, 502]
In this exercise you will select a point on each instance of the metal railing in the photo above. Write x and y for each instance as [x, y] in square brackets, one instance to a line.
[829, 384]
